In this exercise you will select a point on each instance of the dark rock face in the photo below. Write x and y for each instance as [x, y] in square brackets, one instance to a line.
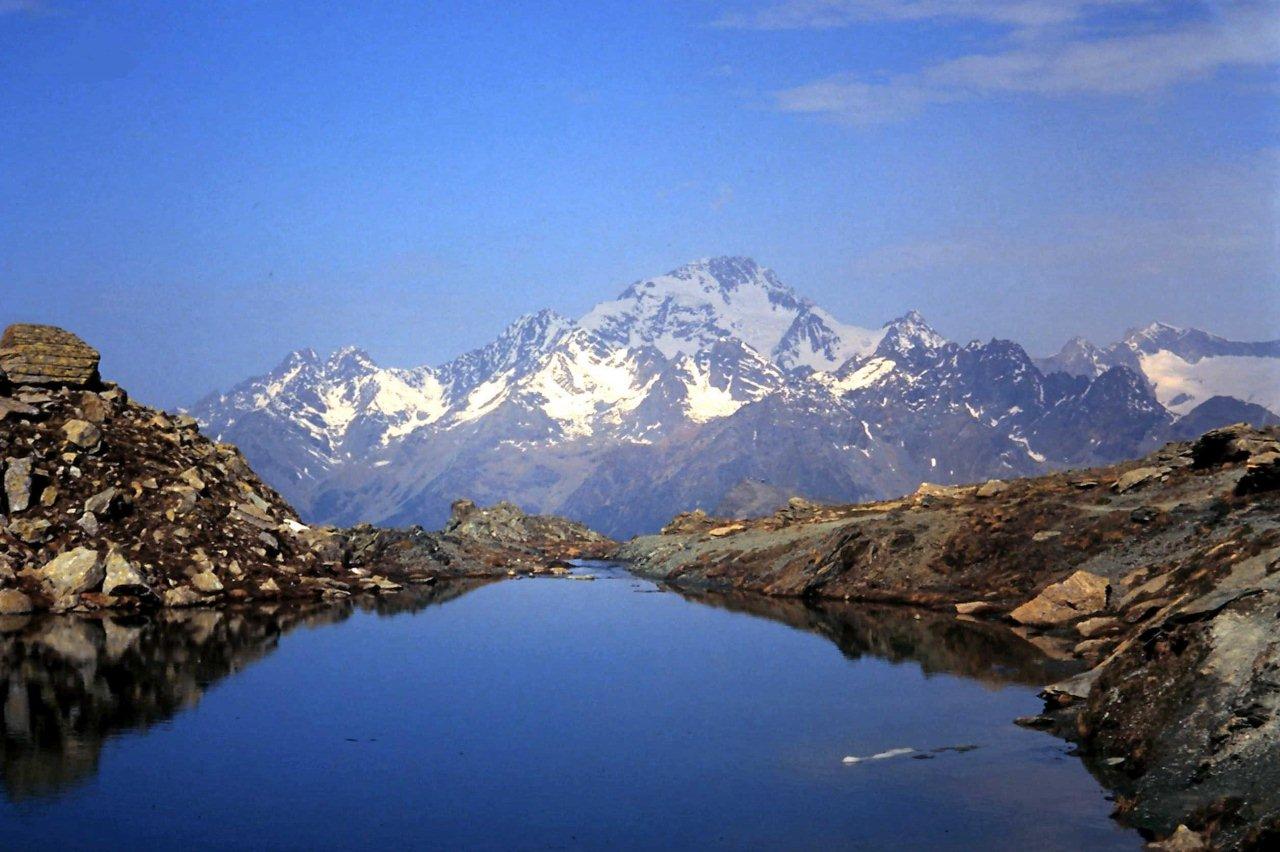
[1163, 574]
[46, 355]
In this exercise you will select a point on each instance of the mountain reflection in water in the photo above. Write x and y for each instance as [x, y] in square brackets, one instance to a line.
[69, 683]
[938, 643]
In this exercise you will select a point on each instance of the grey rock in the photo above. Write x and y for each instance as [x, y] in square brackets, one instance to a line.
[105, 502]
[17, 483]
[89, 523]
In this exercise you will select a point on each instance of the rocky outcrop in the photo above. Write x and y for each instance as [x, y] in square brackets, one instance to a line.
[503, 526]
[1080, 595]
[46, 355]
[108, 504]
[1162, 575]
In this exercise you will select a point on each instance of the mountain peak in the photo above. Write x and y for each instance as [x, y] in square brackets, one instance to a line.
[349, 358]
[698, 303]
[909, 332]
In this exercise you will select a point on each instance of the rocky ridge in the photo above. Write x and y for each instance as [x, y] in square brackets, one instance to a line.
[1161, 574]
[108, 504]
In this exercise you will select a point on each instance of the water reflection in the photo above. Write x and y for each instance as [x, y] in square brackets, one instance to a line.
[937, 642]
[69, 683]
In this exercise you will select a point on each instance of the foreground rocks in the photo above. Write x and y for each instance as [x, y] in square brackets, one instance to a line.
[46, 355]
[1163, 575]
[110, 505]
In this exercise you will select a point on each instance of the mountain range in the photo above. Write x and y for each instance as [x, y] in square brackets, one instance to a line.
[717, 386]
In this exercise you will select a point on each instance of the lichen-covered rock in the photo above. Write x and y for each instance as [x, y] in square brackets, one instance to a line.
[47, 355]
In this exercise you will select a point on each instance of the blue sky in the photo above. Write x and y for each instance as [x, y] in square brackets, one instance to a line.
[199, 188]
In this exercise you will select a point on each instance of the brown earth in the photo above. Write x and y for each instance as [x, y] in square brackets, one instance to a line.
[1162, 574]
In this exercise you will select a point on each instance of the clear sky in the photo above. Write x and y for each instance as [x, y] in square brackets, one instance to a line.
[198, 188]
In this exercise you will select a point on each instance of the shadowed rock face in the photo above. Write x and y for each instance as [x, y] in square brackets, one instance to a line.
[69, 683]
[46, 355]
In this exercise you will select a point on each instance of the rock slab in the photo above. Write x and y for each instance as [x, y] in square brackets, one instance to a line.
[46, 355]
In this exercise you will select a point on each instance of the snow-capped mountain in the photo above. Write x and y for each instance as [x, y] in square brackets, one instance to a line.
[703, 385]
[1185, 367]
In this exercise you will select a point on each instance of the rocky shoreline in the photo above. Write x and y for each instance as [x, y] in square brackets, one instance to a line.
[111, 505]
[1162, 575]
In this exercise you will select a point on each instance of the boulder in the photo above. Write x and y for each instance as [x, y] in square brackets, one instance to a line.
[123, 577]
[1262, 473]
[89, 523]
[105, 502]
[1233, 443]
[991, 488]
[182, 596]
[192, 478]
[72, 573]
[206, 582]
[252, 515]
[82, 434]
[14, 602]
[15, 408]
[17, 483]
[1182, 840]
[1092, 628]
[47, 355]
[976, 608]
[1137, 477]
[92, 407]
[30, 530]
[1082, 594]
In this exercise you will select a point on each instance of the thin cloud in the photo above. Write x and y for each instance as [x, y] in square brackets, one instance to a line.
[13, 7]
[832, 14]
[1244, 36]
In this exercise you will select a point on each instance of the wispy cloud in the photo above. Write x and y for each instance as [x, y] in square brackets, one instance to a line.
[1051, 49]
[830, 14]
[9, 7]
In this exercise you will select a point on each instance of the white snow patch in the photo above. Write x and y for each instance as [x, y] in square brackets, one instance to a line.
[1251, 379]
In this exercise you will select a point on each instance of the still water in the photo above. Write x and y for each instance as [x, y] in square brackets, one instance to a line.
[538, 714]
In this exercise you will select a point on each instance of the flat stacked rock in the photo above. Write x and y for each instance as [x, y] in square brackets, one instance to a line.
[46, 355]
